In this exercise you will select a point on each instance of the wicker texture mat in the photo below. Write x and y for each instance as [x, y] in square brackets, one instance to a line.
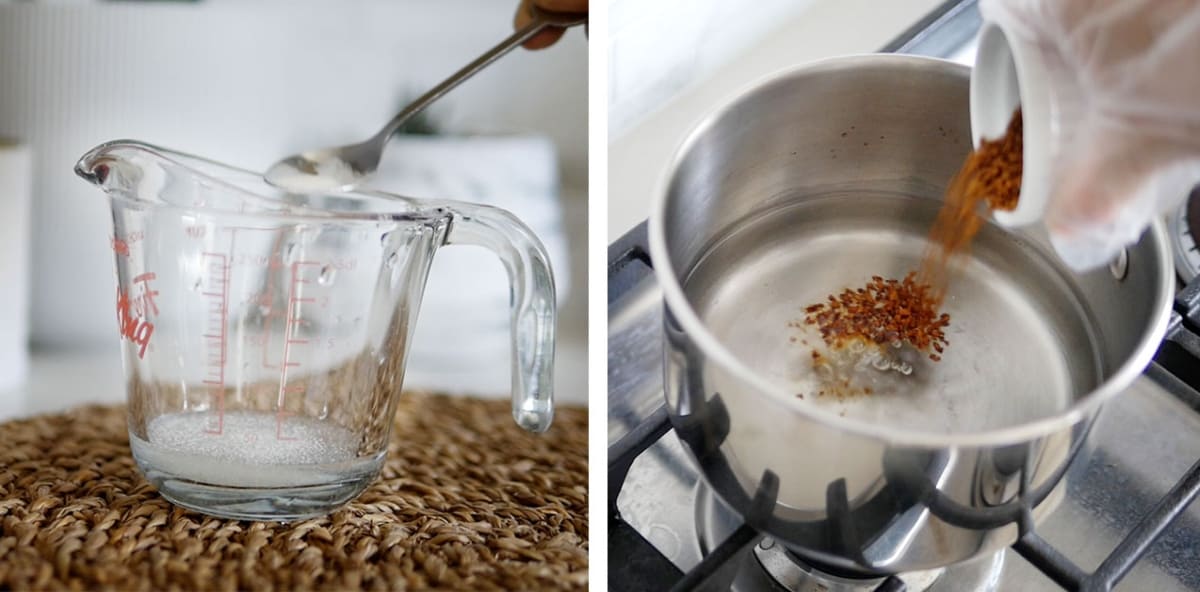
[466, 501]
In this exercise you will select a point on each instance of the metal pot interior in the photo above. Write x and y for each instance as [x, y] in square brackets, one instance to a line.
[816, 181]
[1021, 341]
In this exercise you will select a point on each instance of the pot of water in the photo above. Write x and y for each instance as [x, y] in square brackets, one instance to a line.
[810, 183]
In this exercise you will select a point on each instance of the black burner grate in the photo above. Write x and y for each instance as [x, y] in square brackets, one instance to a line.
[635, 564]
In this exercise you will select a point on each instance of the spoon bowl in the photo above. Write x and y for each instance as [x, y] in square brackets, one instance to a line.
[326, 170]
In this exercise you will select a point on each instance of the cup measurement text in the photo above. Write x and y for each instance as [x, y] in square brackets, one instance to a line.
[277, 262]
[120, 244]
[261, 340]
[135, 309]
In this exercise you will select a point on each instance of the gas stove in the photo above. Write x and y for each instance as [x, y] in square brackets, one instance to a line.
[1125, 521]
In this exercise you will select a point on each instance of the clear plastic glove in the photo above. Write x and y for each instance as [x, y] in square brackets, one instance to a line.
[1124, 78]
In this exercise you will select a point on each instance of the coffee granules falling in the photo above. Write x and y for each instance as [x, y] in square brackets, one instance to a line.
[990, 179]
[906, 311]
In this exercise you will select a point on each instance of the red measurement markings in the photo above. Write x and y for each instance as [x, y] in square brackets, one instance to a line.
[120, 244]
[276, 261]
[134, 311]
[255, 260]
[216, 268]
[343, 264]
[196, 231]
[292, 321]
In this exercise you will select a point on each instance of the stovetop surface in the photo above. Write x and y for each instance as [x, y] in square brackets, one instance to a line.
[1144, 440]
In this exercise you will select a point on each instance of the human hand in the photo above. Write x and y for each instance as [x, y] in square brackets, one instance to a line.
[1125, 133]
[551, 35]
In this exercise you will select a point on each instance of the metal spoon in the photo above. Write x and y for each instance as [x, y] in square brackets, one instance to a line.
[345, 167]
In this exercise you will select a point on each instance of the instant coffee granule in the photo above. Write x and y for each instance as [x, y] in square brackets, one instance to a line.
[885, 311]
[998, 164]
[888, 311]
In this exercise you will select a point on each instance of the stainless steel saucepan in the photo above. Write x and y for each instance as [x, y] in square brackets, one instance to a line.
[812, 182]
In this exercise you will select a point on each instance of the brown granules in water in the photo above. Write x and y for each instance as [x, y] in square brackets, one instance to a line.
[882, 312]
[891, 311]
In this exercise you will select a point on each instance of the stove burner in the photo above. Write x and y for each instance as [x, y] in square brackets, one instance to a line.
[790, 572]
[776, 567]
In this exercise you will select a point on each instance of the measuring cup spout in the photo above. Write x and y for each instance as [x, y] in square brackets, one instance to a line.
[152, 175]
[119, 166]
[96, 165]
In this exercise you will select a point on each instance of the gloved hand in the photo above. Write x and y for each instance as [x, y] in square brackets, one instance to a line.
[1125, 77]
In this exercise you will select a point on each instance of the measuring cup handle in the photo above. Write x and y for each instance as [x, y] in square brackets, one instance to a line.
[532, 305]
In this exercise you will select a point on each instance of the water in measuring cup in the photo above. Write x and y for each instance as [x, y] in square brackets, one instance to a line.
[250, 452]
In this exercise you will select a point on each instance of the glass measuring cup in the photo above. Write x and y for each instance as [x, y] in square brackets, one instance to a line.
[264, 334]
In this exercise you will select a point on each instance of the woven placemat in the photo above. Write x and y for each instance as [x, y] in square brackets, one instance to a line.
[466, 501]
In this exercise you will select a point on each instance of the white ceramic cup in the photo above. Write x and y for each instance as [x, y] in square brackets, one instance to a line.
[1009, 73]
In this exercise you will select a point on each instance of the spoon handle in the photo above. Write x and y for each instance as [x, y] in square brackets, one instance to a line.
[541, 20]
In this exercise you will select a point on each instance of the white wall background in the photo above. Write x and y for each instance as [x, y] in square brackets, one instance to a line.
[672, 62]
[244, 83]
[658, 47]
